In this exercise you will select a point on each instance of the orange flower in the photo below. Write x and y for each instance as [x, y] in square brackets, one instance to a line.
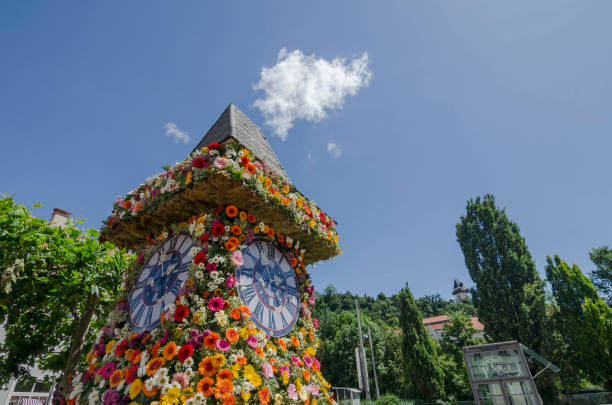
[224, 387]
[280, 237]
[271, 232]
[232, 243]
[218, 360]
[306, 375]
[281, 343]
[224, 374]
[207, 367]
[295, 341]
[310, 335]
[259, 352]
[169, 351]
[205, 386]
[231, 334]
[245, 311]
[155, 348]
[231, 211]
[115, 378]
[251, 168]
[267, 182]
[286, 189]
[294, 262]
[241, 360]
[154, 364]
[264, 396]
[229, 399]
[251, 218]
[235, 314]
[148, 393]
[211, 340]
[235, 229]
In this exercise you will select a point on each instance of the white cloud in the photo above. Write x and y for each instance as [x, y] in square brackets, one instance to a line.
[309, 156]
[303, 87]
[334, 149]
[178, 135]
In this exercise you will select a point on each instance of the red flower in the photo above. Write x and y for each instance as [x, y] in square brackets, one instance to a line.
[213, 145]
[199, 163]
[131, 374]
[321, 216]
[181, 313]
[200, 257]
[218, 229]
[121, 348]
[244, 160]
[218, 210]
[185, 352]
[204, 238]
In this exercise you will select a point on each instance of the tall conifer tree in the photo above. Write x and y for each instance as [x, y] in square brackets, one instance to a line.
[421, 364]
[509, 293]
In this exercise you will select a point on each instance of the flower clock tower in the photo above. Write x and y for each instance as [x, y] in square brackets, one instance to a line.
[216, 309]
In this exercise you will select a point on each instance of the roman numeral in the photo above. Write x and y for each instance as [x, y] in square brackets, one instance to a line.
[258, 311]
[271, 251]
[292, 291]
[149, 316]
[271, 320]
[136, 298]
[139, 313]
[245, 272]
[173, 243]
[249, 293]
[291, 306]
[175, 289]
[139, 284]
[184, 266]
[283, 320]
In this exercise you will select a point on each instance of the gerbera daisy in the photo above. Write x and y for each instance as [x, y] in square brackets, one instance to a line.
[207, 367]
[185, 353]
[115, 378]
[264, 396]
[210, 341]
[231, 211]
[205, 386]
[215, 304]
[154, 364]
[169, 351]
[223, 345]
[181, 313]
[232, 334]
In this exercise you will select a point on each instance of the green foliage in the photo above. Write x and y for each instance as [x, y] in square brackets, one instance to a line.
[509, 295]
[602, 275]
[583, 321]
[388, 399]
[432, 305]
[421, 364]
[48, 276]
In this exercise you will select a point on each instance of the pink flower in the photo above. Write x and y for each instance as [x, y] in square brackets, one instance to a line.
[230, 281]
[258, 165]
[284, 369]
[215, 304]
[106, 370]
[307, 361]
[267, 370]
[182, 379]
[252, 341]
[237, 258]
[220, 162]
[311, 300]
[210, 267]
[140, 258]
[223, 345]
[292, 392]
[316, 362]
[315, 322]
[295, 361]
[313, 389]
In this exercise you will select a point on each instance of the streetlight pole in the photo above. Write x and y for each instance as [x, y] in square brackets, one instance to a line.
[366, 383]
[373, 363]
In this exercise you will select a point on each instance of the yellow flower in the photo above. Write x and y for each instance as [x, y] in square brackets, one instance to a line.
[218, 360]
[244, 333]
[246, 395]
[311, 222]
[135, 388]
[188, 179]
[205, 149]
[285, 378]
[236, 370]
[109, 346]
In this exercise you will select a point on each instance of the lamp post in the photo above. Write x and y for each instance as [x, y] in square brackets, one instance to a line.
[369, 337]
[366, 383]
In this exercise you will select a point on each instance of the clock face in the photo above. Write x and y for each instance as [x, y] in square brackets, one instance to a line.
[159, 282]
[268, 286]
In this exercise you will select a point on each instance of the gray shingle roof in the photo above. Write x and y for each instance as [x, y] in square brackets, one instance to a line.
[234, 124]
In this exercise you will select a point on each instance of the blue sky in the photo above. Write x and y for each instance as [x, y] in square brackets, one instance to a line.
[465, 98]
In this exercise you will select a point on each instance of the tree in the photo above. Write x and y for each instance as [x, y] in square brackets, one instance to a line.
[602, 275]
[583, 319]
[421, 363]
[459, 332]
[55, 281]
[509, 294]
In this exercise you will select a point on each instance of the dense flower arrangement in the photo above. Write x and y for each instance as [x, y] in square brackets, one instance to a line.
[206, 350]
[240, 164]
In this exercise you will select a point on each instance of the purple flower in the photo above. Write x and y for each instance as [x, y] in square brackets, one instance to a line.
[307, 361]
[193, 333]
[223, 345]
[250, 236]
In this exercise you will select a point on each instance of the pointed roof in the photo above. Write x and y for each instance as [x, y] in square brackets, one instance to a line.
[233, 124]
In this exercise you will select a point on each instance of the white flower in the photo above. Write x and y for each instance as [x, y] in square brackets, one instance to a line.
[93, 397]
[199, 274]
[150, 384]
[240, 353]
[221, 318]
[188, 371]
[198, 398]
[234, 358]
